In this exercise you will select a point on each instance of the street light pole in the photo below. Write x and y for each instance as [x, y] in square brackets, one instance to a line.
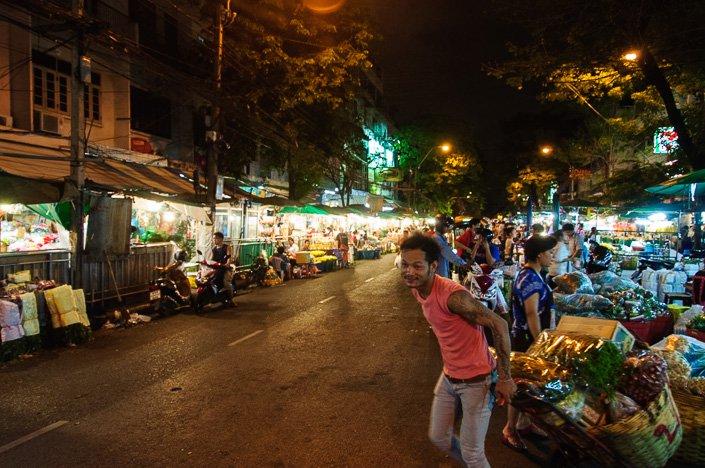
[445, 148]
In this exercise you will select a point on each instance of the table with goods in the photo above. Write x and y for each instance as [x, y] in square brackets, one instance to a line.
[605, 295]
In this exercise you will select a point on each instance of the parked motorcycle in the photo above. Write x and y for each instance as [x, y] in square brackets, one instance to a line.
[171, 291]
[208, 291]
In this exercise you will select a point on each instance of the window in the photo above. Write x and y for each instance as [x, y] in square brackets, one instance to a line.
[51, 85]
[150, 113]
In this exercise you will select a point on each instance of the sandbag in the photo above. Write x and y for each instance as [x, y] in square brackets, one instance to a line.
[80, 298]
[62, 305]
[30, 316]
[10, 322]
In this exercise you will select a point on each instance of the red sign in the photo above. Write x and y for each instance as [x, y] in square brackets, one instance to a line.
[141, 145]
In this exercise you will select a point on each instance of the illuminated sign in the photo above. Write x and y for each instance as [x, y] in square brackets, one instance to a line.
[665, 140]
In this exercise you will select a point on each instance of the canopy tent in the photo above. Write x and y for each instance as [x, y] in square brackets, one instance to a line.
[583, 204]
[689, 185]
[306, 209]
[658, 208]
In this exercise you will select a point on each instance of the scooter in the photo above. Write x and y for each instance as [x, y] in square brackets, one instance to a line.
[171, 292]
[208, 292]
[484, 282]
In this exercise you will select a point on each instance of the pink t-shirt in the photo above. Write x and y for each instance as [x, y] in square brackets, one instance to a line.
[463, 346]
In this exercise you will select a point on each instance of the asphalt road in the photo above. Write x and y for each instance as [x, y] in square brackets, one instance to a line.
[333, 371]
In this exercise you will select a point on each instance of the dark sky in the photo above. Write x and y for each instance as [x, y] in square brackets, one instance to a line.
[432, 56]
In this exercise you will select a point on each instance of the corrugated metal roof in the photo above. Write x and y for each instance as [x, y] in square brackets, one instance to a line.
[104, 174]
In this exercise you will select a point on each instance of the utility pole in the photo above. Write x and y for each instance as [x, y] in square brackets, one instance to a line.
[222, 15]
[78, 170]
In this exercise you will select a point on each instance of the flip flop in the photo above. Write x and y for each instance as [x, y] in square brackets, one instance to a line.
[518, 445]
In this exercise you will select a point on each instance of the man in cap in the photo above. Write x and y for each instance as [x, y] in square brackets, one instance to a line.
[443, 223]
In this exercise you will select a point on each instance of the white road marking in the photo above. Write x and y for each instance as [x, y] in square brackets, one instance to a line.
[251, 335]
[369, 279]
[326, 300]
[31, 436]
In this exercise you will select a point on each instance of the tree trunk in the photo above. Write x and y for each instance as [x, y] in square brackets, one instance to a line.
[655, 76]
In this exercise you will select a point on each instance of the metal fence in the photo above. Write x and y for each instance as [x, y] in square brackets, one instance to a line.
[45, 264]
[133, 272]
[246, 251]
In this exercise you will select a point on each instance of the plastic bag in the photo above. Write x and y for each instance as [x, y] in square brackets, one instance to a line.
[644, 376]
[575, 282]
[536, 369]
[573, 304]
[685, 318]
[595, 362]
[606, 282]
[621, 407]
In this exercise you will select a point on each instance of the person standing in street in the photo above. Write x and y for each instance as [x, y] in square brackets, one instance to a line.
[532, 300]
[466, 241]
[443, 223]
[344, 247]
[469, 370]
[560, 258]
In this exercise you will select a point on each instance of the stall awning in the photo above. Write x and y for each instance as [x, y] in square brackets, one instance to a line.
[101, 174]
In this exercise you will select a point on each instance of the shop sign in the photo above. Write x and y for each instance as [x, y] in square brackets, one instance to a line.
[580, 174]
[390, 174]
[665, 140]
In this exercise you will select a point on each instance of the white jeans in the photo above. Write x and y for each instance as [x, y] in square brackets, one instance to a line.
[476, 400]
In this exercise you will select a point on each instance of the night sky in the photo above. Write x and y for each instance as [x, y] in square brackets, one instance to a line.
[431, 58]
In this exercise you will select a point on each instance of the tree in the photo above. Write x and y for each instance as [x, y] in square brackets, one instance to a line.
[574, 49]
[531, 181]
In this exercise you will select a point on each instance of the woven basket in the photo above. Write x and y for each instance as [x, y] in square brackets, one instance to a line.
[692, 411]
[648, 438]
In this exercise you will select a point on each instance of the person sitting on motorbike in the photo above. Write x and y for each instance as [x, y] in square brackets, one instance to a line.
[600, 258]
[222, 253]
[484, 251]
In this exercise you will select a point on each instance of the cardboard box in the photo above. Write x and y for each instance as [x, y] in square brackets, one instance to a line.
[606, 329]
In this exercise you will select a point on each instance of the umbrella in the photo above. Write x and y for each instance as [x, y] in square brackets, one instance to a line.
[689, 185]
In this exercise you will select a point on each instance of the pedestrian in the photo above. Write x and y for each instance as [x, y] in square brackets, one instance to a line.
[537, 230]
[443, 223]
[466, 241]
[222, 253]
[560, 258]
[575, 247]
[469, 370]
[532, 300]
[343, 247]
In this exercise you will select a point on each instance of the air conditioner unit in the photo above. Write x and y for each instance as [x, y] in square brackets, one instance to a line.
[5, 121]
[46, 122]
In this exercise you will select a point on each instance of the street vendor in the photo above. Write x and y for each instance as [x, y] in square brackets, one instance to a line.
[532, 300]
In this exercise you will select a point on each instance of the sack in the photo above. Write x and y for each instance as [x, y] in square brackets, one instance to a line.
[575, 282]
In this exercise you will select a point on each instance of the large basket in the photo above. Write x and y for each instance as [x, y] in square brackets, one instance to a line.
[692, 411]
[648, 438]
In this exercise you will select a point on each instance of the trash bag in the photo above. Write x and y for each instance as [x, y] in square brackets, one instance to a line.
[606, 282]
[575, 282]
[576, 304]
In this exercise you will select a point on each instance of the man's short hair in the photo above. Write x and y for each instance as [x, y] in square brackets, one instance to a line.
[538, 228]
[418, 241]
[568, 227]
[475, 222]
[219, 235]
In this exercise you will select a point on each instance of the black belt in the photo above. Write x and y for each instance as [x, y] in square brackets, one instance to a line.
[476, 379]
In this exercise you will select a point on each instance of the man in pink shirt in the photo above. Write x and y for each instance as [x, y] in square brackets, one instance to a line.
[469, 370]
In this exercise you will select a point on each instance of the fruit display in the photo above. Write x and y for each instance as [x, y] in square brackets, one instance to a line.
[644, 376]
[685, 360]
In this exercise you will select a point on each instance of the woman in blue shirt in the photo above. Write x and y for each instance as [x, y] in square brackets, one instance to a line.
[531, 307]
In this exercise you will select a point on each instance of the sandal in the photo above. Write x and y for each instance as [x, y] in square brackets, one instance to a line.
[532, 430]
[516, 444]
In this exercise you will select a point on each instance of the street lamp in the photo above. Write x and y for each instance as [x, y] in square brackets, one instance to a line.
[445, 148]
[546, 150]
[631, 56]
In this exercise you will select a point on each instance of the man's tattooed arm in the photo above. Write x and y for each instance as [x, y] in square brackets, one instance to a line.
[472, 310]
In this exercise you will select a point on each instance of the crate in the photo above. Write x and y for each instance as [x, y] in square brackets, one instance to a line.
[611, 330]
